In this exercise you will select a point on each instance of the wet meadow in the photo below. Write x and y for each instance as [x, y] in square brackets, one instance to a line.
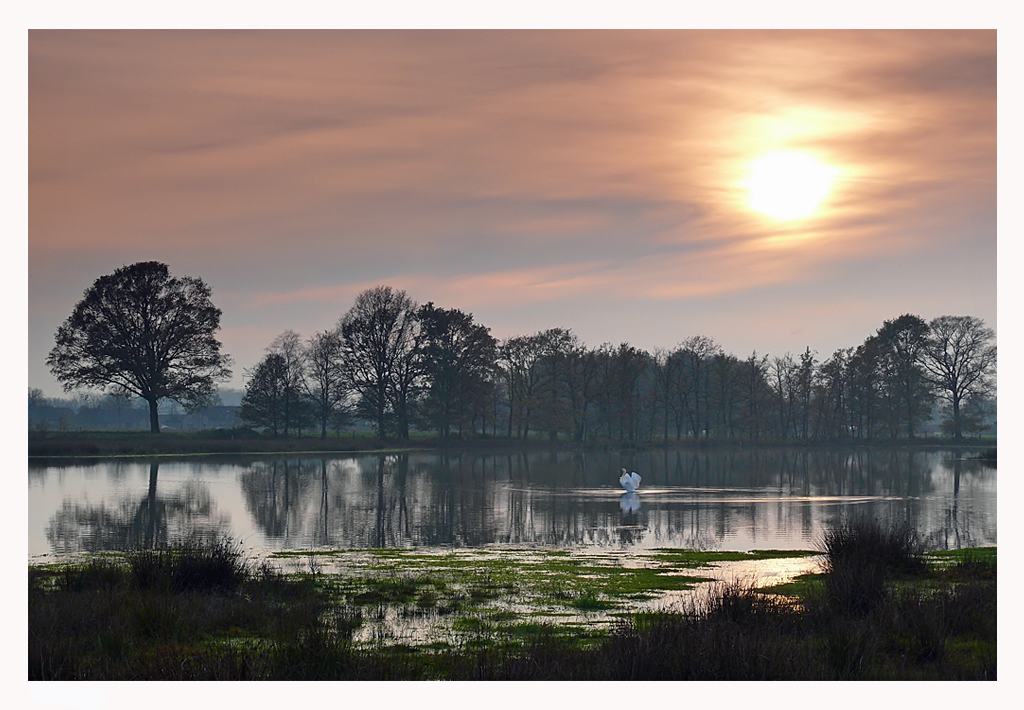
[873, 607]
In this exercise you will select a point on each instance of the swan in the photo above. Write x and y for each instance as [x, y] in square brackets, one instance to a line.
[630, 481]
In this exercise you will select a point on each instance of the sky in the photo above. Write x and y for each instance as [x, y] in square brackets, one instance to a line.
[773, 190]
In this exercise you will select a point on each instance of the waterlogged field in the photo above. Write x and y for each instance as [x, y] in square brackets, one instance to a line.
[539, 566]
[458, 597]
[868, 608]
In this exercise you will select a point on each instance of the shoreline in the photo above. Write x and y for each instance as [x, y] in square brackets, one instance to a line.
[104, 445]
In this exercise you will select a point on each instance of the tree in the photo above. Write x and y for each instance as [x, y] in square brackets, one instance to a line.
[618, 398]
[142, 331]
[266, 392]
[324, 379]
[458, 359]
[295, 412]
[583, 369]
[727, 378]
[803, 382]
[378, 335]
[901, 344]
[782, 377]
[832, 396]
[696, 353]
[754, 394]
[960, 361]
[862, 376]
[553, 413]
[518, 358]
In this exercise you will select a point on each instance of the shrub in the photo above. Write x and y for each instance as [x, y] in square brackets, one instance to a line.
[860, 556]
[861, 541]
[214, 565]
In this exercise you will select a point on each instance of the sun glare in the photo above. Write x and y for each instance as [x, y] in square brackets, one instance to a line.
[788, 185]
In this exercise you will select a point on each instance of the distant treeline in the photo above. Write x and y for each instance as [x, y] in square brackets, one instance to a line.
[109, 412]
[397, 367]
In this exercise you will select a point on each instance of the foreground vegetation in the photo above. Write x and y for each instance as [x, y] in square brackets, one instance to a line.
[878, 609]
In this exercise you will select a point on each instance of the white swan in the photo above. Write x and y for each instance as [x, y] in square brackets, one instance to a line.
[630, 481]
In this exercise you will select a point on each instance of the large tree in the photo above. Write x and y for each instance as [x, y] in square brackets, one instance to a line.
[144, 332]
[458, 360]
[378, 343]
[902, 343]
[960, 360]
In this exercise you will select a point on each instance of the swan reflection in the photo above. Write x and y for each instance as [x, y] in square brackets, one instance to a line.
[630, 502]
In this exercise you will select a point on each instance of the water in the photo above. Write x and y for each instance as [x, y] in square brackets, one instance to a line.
[729, 500]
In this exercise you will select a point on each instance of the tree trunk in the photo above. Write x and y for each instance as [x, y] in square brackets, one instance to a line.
[154, 417]
[957, 434]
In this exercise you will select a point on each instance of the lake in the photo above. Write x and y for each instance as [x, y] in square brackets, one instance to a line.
[727, 499]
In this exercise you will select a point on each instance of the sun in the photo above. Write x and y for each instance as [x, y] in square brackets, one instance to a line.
[788, 185]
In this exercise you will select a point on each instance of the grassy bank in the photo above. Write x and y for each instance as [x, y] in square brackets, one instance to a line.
[877, 610]
[102, 444]
[227, 441]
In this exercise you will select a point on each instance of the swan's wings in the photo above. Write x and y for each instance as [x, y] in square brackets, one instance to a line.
[629, 481]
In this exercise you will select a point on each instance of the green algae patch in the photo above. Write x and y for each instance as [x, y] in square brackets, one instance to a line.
[801, 586]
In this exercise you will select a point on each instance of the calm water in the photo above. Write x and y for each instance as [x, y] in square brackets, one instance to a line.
[731, 500]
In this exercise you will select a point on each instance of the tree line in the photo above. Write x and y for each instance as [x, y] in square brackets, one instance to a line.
[400, 366]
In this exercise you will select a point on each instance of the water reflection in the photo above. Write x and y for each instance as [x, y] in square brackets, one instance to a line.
[134, 521]
[629, 502]
[734, 499]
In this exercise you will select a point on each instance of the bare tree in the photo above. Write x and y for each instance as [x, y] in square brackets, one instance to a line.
[516, 357]
[696, 353]
[960, 360]
[584, 368]
[378, 344]
[324, 380]
[289, 347]
[142, 331]
[754, 393]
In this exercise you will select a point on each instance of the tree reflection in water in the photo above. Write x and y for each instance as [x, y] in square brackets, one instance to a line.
[700, 498]
[146, 523]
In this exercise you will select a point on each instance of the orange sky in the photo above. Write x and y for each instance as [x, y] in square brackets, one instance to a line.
[582, 179]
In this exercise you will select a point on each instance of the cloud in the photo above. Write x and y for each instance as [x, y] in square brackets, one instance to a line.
[495, 170]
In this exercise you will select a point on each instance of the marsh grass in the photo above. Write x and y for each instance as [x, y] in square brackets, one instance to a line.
[202, 612]
[861, 556]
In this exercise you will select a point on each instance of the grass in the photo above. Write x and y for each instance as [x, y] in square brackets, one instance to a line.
[91, 444]
[202, 612]
[242, 440]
